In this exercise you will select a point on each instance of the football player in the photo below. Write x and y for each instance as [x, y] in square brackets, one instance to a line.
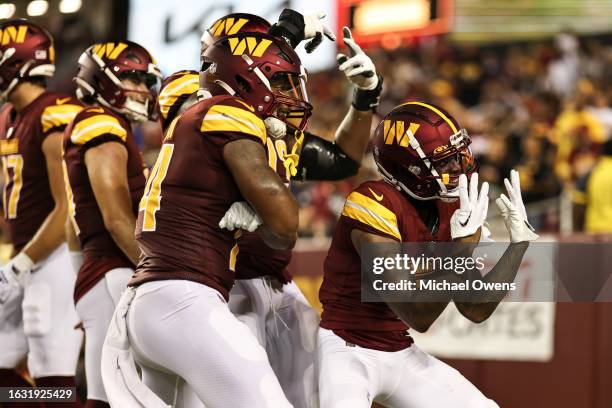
[37, 312]
[104, 170]
[265, 297]
[213, 155]
[364, 351]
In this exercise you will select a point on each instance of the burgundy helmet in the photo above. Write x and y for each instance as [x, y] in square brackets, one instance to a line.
[101, 69]
[422, 150]
[177, 93]
[233, 24]
[262, 70]
[26, 50]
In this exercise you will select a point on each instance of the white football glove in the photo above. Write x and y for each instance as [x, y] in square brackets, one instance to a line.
[513, 211]
[275, 128]
[358, 68]
[315, 29]
[473, 207]
[240, 216]
[14, 276]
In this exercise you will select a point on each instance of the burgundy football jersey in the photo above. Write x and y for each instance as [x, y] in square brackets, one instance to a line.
[188, 191]
[27, 194]
[92, 127]
[255, 258]
[375, 207]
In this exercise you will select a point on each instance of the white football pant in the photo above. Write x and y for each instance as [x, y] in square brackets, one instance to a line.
[183, 328]
[40, 322]
[286, 325]
[354, 377]
[96, 309]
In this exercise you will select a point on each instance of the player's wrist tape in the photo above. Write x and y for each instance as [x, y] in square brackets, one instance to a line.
[22, 263]
[367, 99]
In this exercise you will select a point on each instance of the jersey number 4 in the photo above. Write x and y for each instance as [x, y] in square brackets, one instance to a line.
[14, 162]
[151, 199]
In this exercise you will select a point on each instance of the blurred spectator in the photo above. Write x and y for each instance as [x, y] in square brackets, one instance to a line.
[593, 196]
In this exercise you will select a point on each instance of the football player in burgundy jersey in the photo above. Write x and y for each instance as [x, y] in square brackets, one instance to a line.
[37, 316]
[264, 296]
[105, 176]
[365, 353]
[213, 155]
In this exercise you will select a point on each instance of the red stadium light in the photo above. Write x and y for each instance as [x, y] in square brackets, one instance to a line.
[389, 23]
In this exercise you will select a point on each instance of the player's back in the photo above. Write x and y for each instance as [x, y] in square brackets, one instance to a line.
[378, 208]
[27, 193]
[189, 190]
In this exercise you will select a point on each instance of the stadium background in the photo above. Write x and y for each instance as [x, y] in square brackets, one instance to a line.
[529, 79]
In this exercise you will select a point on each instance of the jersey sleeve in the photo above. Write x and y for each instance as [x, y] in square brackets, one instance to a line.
[369, 211]
[231, 119]
[56, 116]
[94, 126]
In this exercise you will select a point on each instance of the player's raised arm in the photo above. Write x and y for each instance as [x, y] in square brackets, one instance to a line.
[482, 304]
[265, 191]
[321, 159]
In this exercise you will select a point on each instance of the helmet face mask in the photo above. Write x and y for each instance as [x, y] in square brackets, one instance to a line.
[262, 70]
[109, 74]
[426, 160]
[26, 51]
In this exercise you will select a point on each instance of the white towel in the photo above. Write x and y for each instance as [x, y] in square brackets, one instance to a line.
[121, 380]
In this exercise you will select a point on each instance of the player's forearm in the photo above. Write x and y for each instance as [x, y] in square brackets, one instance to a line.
[278, 239]
[483, 303]
[49, 236]
[418, 315]
[121, 229]
[353, 134]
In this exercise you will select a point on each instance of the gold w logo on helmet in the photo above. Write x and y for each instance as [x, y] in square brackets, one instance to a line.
[13, 33]
[110, 50]
[394, 132]
[227, 26]
[249, 45]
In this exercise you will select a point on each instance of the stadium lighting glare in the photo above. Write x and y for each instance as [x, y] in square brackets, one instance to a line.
[7, 10]
[37, 8]
[70, 6]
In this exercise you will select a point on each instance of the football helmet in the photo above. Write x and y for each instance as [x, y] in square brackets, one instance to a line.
[422, 150]
[233, 24]
[177, 93]
[101, 69]
[26, 51]
[262, 70]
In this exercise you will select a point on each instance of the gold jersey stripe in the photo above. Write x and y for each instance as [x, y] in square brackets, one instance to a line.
[370, 212]
[438, 111]
[58, 115]
[10, 146]
[95, 126]
[185, 85]
[223, 118]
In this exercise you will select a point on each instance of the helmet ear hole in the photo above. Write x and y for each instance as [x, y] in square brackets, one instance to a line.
[243, 85]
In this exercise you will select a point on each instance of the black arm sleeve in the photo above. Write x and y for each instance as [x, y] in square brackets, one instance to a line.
[323, 160]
